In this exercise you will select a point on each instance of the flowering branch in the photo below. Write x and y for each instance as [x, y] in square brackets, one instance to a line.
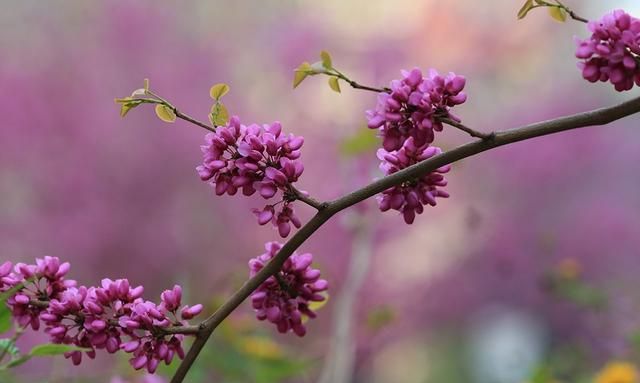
[595, 117]
[262, 159]
[184, 330]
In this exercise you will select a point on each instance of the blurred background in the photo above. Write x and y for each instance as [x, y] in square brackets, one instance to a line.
[528, 273]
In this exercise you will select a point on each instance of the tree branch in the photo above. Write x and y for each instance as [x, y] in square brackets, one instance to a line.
[466, 129]
[159, 100]
[301, 196]
[356, 85]
[591, 118]
[571, 13]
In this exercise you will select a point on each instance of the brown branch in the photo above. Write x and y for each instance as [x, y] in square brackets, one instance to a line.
[300, 196]
[591, 118]
[159, 100]
[571, 13]
[466, 129]
[356, 85]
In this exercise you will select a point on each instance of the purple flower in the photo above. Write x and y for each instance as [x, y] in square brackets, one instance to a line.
[284, 299]
[253, 158]
[410, 197]
[96, 318]
[413, 107]
[611, 53]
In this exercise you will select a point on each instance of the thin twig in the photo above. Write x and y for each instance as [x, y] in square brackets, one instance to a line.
[571, 13]
[356, 85]
[301, 196]
[601, 116]
[466, 129]
[179, 114]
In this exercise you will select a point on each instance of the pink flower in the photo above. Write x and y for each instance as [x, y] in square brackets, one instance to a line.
[284, 299]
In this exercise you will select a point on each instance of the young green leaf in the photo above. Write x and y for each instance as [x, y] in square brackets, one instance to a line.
[219, 90]
[334, 84]
[528, 5]
[165, 113]
[219, 114]
[558, 14]
[8, 346]
[127, 104]
[300, 73]
[326, 60]
[49, 349]
[15, 362]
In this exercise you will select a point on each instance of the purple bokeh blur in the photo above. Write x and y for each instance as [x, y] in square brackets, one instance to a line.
[121, 197]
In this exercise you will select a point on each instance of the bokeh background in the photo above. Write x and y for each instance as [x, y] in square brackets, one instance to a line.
[529, 273]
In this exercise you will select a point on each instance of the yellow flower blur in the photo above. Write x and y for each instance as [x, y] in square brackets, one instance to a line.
[617, 372]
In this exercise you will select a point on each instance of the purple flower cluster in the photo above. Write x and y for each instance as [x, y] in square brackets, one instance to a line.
[410, 197]
[283, 299]
[413, 106]
[612, 53]
[407, 118]
[255, 158]
[96, 317]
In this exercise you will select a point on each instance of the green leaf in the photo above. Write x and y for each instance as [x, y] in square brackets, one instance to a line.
[528, 5]
[16, 362]
[558, 14]
[165, 113]
[334, 84]
[127, 104]
[219, 114]
[49, 349]
[5, 318]
[217, 91]
[326, 60]
[363, 141]
[300, 73]
[8, 346]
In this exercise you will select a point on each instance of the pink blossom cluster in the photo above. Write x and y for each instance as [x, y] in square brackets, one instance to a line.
[612, 52]
[410, 197]
[96, 318]
[255, 158]
[283, 299]
[413, 107]
[407, 117]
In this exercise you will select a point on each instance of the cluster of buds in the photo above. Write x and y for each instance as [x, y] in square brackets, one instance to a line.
[612, 53]
[410, 197]
[96, 318]
[283, 299]
[414, 107]
[255, 158]
[407, 117]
